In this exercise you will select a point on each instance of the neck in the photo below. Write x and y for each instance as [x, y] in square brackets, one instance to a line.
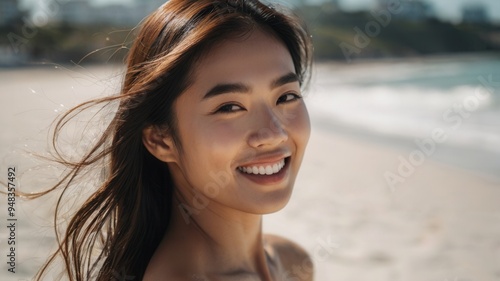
[216, 240]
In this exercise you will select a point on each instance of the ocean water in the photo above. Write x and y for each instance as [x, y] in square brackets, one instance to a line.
[404, 102]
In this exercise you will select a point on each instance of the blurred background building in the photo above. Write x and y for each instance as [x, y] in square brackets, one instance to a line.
[85, 13]
[475, 13]
[413, 10]
[9, 11]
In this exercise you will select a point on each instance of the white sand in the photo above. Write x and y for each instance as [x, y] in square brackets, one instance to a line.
[442, 224]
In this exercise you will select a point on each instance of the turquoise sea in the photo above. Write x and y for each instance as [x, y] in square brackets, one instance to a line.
[402, 102]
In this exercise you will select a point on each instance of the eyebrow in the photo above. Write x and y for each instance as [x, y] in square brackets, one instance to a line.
[227, 88]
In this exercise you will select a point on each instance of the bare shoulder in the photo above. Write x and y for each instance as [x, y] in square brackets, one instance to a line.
[294, 259]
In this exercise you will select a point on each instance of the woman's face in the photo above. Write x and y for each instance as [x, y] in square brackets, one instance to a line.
[243, 127]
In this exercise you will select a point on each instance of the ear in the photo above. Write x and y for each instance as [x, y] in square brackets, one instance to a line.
[159, 144]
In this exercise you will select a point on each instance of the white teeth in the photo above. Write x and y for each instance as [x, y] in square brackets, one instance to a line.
[269, 170]
[254, 170]
[276, 168]
[264, 170]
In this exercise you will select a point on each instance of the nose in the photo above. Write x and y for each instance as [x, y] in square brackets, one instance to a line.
[269, 132]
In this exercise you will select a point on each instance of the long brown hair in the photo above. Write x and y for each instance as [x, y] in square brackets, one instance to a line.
[126, 218]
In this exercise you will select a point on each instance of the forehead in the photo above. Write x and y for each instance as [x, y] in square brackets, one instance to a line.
[256, 55]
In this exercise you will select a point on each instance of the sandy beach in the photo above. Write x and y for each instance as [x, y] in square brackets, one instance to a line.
[441, 224]
[437, 222]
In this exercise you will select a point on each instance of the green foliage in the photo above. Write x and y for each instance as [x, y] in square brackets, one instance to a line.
[63, 43]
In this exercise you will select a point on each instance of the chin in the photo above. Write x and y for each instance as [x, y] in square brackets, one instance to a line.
[271, 202]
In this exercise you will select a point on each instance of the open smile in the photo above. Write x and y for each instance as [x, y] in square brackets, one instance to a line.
[268, 169]
[269, 173]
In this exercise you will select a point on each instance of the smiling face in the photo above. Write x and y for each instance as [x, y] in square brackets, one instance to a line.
[243, 126]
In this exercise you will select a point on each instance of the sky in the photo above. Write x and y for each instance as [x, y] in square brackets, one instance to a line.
[449, 10]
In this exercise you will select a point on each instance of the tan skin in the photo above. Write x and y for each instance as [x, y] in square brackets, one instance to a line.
[258, 123]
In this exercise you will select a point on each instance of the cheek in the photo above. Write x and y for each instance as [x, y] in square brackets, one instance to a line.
[221, 140]
[212, 144]
[299, 125]
[225, 134]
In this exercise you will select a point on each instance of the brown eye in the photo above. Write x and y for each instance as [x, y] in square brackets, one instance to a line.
[228, 108]
[289, 97]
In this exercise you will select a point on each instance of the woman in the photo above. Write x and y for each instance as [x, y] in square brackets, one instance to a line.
[209, 135]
